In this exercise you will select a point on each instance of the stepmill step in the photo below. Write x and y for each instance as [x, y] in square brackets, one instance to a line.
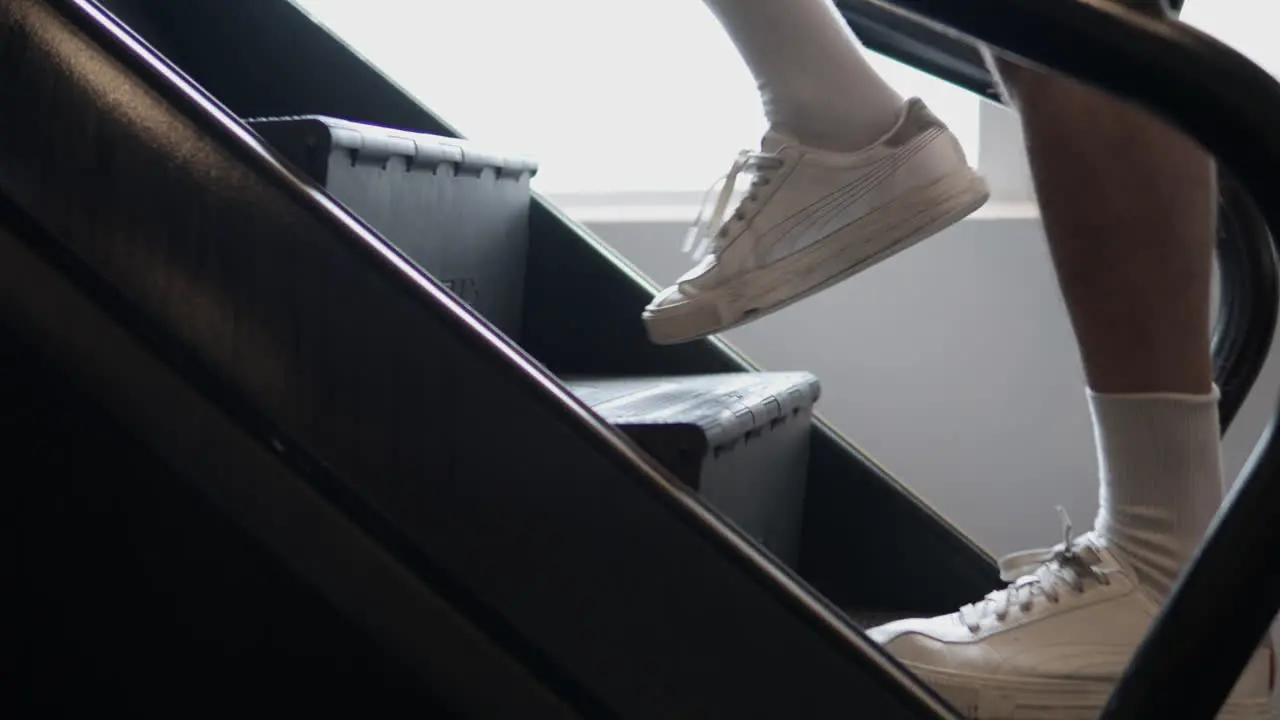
[460, 213]
[741, 440]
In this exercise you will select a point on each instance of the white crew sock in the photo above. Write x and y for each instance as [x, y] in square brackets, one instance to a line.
[814, 81]
[1160, 460]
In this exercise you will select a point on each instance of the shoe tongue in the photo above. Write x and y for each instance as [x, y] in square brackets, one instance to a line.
[1088, 555]
[1083, 553]
[775, 140]
[1087, 549]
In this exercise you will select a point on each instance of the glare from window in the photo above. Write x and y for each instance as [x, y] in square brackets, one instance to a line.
[614, 96]
[1246, 25]
[609, 96]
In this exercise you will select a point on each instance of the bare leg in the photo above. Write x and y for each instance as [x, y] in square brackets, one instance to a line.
[1128, 205]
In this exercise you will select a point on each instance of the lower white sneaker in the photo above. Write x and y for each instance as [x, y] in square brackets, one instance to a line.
[811, 218]
[1051, 646]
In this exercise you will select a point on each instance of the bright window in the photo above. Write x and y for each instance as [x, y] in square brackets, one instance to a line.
[642, 98]
[609, 96]
[1246, 25]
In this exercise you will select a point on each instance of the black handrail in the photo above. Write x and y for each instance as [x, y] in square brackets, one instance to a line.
[924, 46]
[1249, 291]
[938, 52]
[1228, 596]
[1248, 297]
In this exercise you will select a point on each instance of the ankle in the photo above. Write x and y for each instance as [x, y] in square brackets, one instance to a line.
[1160, 463]
[814, 126]
[1156, 572]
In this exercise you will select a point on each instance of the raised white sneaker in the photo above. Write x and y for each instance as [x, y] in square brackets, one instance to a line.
[811, 218]
[1051, 646]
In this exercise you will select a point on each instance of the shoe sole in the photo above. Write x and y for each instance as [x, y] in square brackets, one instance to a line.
[879, 235]
[987, 698]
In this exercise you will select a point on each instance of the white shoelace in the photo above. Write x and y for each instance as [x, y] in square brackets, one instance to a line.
[710, 227]
[1033, 574]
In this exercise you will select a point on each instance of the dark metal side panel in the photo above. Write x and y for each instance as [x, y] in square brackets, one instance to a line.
[352, 366]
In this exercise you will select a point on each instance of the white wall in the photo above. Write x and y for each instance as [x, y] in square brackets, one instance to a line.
[953, 364]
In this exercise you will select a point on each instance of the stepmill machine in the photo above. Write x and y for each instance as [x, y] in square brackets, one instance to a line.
[297, 416]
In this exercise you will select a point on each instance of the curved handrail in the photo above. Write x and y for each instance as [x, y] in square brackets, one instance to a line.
[1249, 297]
[924, 46]
[1246, 318]
[1232, 107]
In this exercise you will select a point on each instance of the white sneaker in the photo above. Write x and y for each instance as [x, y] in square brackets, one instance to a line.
[811, 218]
[1051, 646]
